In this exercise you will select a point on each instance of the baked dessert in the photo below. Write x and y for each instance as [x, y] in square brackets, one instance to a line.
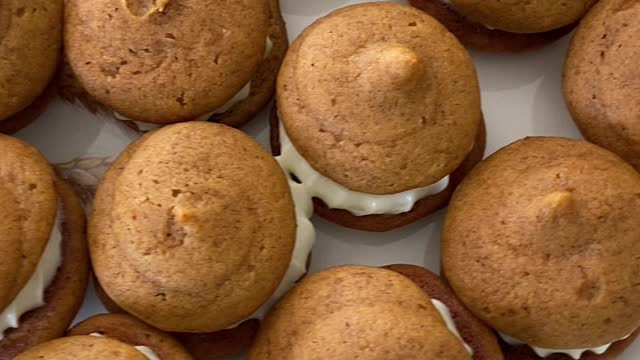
[511, 26]
[601, 80]
[30, 49]
[378, 115]
[110, 337]
[44, 265]
[207, 202]
[171, 61]
[541, 243]
[125, 329]
[358, 312]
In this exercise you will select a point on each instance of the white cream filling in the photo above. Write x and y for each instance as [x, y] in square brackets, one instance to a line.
[448, 319]
[241, 95]
[305, 238]
[337, 196]
[543, 353]
[146, 351]
[150, 354]
[32, 294]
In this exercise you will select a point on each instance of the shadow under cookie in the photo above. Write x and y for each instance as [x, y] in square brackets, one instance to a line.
[29, 114]
[479, 37]
[64, 296]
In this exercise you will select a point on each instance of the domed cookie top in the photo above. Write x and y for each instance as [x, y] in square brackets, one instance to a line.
[353, 310]
[28, 198]
[83, 347]
[166, 60]
[379, 98]
[522, 16]
[213, 222]
[602, 78]
[541, 242]
[30, 43]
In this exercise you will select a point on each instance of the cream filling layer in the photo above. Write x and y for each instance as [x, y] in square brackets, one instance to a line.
[146, 351]
[32, 294]
[241, 95]
[337, 196]
[305, 238]
[451, 325]
[573, 353]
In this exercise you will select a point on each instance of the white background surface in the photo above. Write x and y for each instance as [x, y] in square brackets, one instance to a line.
[521, 97]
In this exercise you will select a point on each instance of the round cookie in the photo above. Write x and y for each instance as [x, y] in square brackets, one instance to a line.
[28, 178]
[539, 245]
[382, 223]
[30, 48]
[127, 329]
[602, 80]
[147, 70]
[217, 194]
[477, 36]
[373, 131]
[185, 206]
[83, 347]
[341, 313]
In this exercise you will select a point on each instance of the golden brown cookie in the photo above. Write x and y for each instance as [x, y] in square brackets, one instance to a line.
[366, 127]
[477, 36]
[357, 312]
[382, 223]
[382, 109]
[166, 62]
[128, 330]
[83, 347]
[30, 48]
[27, 176]
[602, 78]
[205, 201]
[540, 244]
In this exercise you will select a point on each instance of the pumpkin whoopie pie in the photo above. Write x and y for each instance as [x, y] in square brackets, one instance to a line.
[110, 337]
[30, 49]
[151, 342]
[506, 26]
[358, 312]
[541, 242]
[44, 267]
[602, 78]
[217, 235]
[378, 115]
[169, 61]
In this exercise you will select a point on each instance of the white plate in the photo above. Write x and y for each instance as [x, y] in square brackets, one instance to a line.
[521, 97]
